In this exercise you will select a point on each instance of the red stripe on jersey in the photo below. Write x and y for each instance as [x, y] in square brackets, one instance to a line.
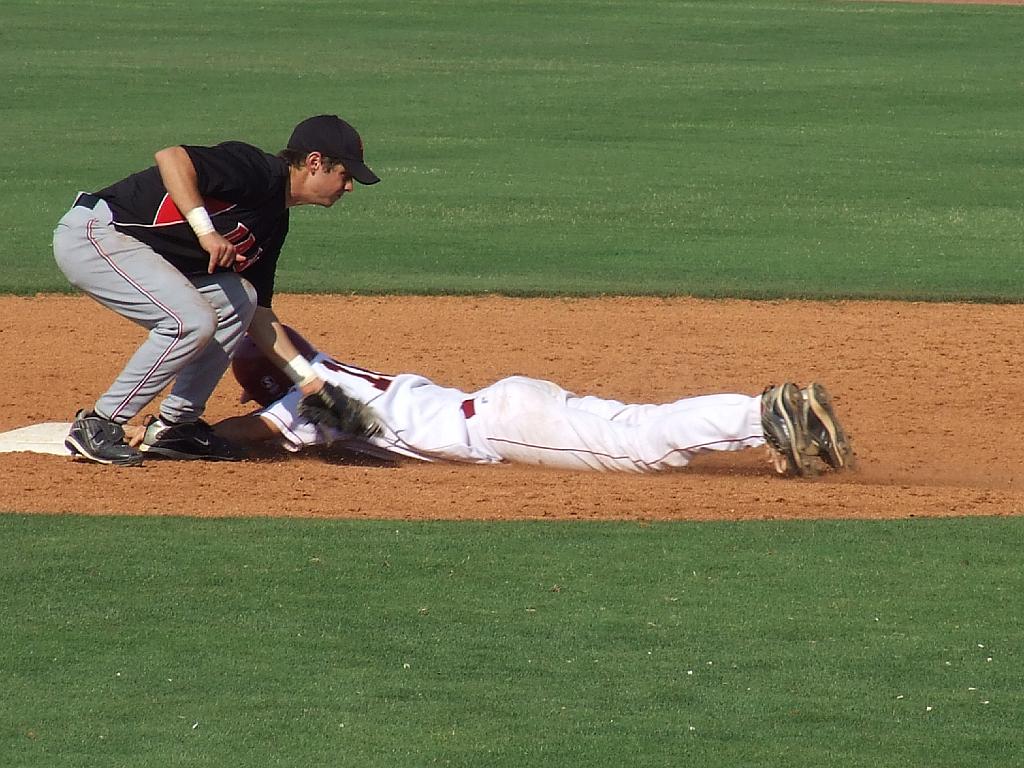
[167, 213]
[379, 381]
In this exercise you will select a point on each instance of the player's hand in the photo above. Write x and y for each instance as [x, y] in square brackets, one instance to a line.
[134, 433]
[222, 253]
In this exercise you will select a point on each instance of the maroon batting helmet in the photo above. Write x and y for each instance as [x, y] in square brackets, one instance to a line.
[263, 381]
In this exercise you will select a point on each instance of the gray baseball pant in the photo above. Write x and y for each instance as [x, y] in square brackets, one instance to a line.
[194, 322]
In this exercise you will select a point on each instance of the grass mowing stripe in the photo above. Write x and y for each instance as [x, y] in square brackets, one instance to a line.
[715, 148]
[266, 642]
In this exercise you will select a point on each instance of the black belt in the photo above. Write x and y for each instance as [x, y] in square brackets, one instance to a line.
[87, 200]
[468, 408]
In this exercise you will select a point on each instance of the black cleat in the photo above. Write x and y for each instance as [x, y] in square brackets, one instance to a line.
[192, 440]
[101, 440]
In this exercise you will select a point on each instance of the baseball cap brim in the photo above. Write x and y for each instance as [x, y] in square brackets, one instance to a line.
[359, 171]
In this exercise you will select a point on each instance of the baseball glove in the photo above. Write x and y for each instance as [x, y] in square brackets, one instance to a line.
[331, 407]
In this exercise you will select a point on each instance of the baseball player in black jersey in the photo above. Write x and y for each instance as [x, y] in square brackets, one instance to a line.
[188, 248]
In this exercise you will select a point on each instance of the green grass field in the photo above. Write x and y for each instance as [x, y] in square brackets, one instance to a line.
[156, 642]
[712, 148]
[717, 148]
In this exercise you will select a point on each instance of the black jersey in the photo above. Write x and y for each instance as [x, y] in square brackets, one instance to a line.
[243, 189]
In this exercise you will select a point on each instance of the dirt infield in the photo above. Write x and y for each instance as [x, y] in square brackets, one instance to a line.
[928, 391]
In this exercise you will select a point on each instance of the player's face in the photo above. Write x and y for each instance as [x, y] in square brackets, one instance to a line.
[327, 187]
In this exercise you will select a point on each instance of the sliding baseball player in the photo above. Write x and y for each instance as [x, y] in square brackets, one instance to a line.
[531, 421]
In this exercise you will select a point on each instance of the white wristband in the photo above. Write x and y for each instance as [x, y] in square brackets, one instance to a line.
[299, 370]
[200, 222]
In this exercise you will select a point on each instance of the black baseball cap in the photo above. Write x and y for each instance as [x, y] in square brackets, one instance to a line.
[331, 136]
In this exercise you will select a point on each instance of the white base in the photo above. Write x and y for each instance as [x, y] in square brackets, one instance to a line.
[37, 438]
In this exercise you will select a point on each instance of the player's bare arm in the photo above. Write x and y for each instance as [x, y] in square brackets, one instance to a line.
[270, 337]
[179, 177]
[249, 430]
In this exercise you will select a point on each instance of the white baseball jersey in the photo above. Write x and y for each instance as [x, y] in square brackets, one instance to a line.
[524, 420]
